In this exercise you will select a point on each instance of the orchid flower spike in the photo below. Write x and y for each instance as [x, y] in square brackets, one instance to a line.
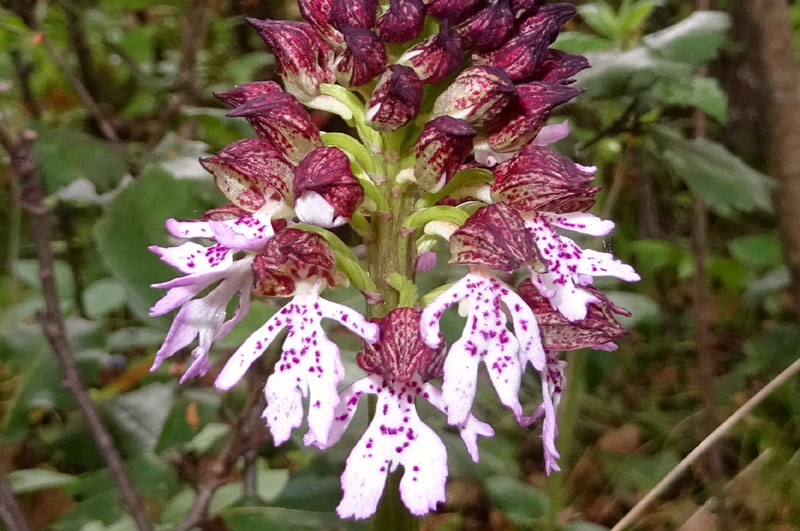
[400, 367]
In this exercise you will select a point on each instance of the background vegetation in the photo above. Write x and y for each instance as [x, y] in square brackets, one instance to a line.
[677, 118]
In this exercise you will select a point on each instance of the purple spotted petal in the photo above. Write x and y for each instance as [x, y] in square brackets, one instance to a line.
[282, 120]
[436, 57]
[251, 173]
[539, 179]
[364, 57]
[395, 100]
[402, 22]
[304, 59]
[354, 13]
[445, 143]
[326, 173]
[494, 236]
[478, 95]
[192, 258]
[553, 382]
[489, 28]
[536, 101]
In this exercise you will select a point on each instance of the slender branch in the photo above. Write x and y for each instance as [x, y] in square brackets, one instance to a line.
[52, 322]
[24, 69]
[241, 441]
[707, 443]
[10, 513]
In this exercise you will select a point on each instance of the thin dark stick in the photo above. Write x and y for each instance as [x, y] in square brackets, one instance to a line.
[241, 441]
[52, 322]
[10, 513]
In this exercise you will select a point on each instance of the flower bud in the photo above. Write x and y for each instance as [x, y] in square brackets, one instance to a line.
[401, 352]
[355, 13]
[453, 10]
[524, 8]
[523, 52]
[599, 329]
[560, 14]
[436, 57]
[241, 94]
[478, 95]
[282, 120]
[402, 22]
[364, 58]
[489, 28]
[443, 145]
[290, 256]
[538, 179]
[251, 173]
[325, 189]
[535, 102]
[318, 14]
[395, 100]
[303, 58]
[494, 236]
[559, 67]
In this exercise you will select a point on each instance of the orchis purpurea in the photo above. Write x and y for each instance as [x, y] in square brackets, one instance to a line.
[448, 104]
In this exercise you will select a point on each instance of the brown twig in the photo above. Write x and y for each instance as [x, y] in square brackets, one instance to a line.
[23, 163]
[707, 443]
[242, 440]
[24, 69]
[10, 513]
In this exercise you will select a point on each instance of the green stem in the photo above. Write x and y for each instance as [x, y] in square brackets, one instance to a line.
[392, 251]
[576, 369]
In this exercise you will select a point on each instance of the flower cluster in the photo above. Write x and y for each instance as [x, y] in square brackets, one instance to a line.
[440, 153]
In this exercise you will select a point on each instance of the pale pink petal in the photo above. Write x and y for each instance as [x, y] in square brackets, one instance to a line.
[396, 436]
[469, 430]
[350, 319]
[242, 309]
[502, 362]
[550, 134]
[526, 329]
[284, 411]
[199, 367]
[175, 297]
[599, 264]
[426, 261]
[249, 351]
[429, 322]
[249, 233]
[582, 222]
[344, 411]
[549, 429]
[181, 333]
[189, 228]
[460, 377]
[193, 258]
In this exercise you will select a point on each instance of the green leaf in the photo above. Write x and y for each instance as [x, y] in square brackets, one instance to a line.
[103, 297]
[66, 155]
[644, 310]
[177, 430]
[704, 93]
[406, 289]
[137, 417]
[516, 499]
[632, 16]
[693, 41]
[721, 178]
[353, 148]
[276, 519]
[34, 479]
[638, 472]
[209, 435]
[629, 72]
[602, 19]
[27, 270]
[580, 43]
[758, 250]
[134, 221]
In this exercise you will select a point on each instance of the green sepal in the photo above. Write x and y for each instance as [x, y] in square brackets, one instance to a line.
[407, 290]
[464, 179]
[369, 136]
[354, 149]
[436, 213]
